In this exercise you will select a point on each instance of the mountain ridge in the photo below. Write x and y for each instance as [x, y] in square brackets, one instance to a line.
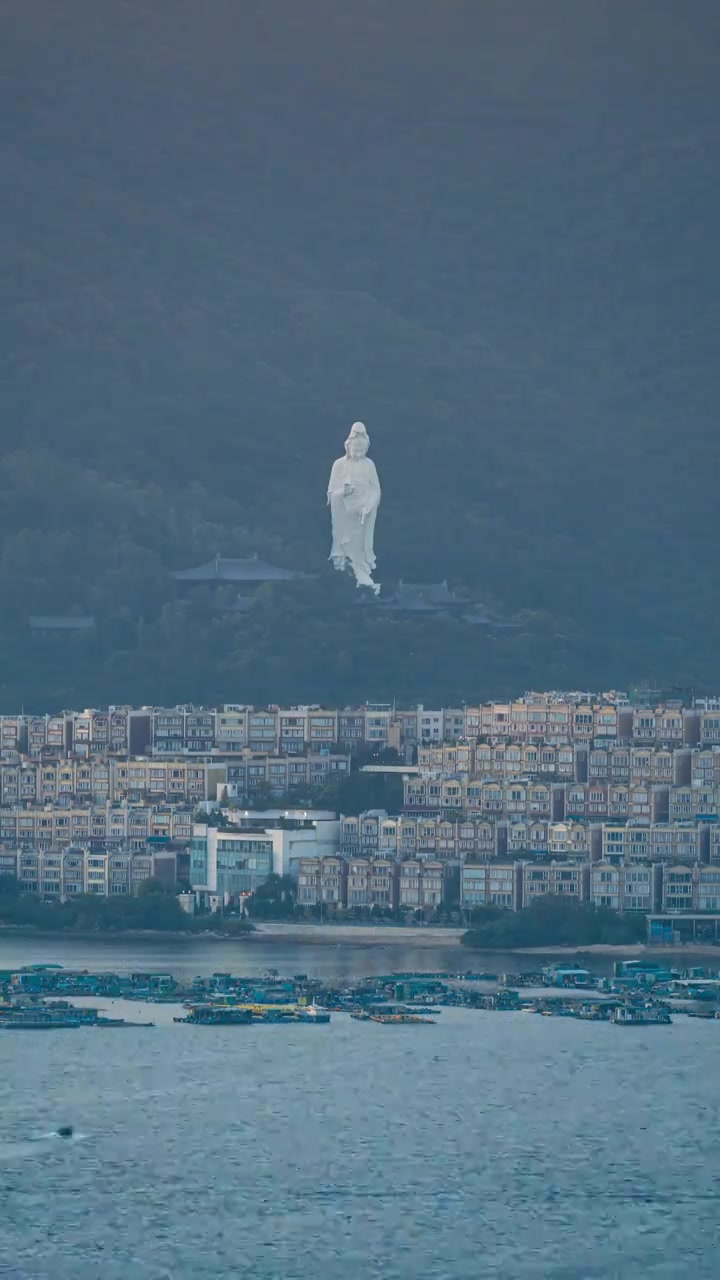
[491, 237]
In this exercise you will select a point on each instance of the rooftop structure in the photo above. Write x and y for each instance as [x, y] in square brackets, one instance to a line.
[424, 597]
[226, 569]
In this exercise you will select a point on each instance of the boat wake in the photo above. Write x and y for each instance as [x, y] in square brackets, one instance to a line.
[73, 1136]
[32, 1146]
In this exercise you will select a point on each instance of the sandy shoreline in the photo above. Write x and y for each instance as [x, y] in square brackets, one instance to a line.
[430, 937]
[434, 936]
[357, 935]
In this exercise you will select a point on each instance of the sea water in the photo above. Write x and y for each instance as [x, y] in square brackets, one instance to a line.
[491, 1144]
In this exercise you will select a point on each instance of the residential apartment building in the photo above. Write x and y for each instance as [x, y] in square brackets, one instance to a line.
[496, 884]
[425, 885]
[444, 725]
[66, 872]
[280, 773]
[545, 720]
[322, 882]
[523, 839]
[679, 888]
[402, 837]
[447, 758]
[707, 889]
[178, 781]
[377, 725]
[515, 797]
[103, 779]
[99, 733]
[475, 839]
[44, 735]
[594, 801]
[336, 883]
[545, 760]
[302, 729]
[709, 728]
[705, 767]
[626, 888]
[12, 736]
[655, 842]
[656, 765]
[574, 840]
[372, 882]
[687, 888]
[559, 878]
[131, 826]
[699, 802]
[231, 729]
[351, 729]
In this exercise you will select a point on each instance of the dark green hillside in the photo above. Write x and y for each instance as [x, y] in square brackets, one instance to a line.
[488, 230]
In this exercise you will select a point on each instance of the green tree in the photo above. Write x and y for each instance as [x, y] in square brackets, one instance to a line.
[275, 898]
[150, 886]
[554, 921]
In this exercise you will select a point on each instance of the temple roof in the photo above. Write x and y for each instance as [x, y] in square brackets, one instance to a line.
[424, 597]
[225, 569]
[415, 605]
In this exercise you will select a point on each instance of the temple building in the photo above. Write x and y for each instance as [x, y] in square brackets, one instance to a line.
[251, 569]
[424, 597]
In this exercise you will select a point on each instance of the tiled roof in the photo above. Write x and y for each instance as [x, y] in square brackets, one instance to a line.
[433, 594]
[225, 569]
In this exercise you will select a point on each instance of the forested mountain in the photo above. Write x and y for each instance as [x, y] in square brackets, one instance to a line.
[487, 229]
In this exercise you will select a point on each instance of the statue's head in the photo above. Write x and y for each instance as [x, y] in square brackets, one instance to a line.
[358, 442]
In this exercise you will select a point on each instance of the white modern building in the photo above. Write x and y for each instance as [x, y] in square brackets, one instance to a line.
[239, 856]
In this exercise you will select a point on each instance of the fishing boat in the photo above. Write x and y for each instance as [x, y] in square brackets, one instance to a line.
[38, 1020]
[593, 1012]
[87, 1015]
[398, 1019]
[311, 1013]
[628, 1015]
[118, 1022]
[201, 1015]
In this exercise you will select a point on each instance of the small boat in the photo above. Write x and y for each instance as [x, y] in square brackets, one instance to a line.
[400, 1019]
[311, 1013]
[119, 1022]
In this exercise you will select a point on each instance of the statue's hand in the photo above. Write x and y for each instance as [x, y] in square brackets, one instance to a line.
[347, 489]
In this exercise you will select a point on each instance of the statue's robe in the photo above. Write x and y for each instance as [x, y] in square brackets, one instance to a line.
[354, 497]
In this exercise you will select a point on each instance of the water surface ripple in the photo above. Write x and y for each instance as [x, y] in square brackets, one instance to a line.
[499, 1145]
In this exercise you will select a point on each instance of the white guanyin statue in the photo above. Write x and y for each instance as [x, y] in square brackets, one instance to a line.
[353, 498]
